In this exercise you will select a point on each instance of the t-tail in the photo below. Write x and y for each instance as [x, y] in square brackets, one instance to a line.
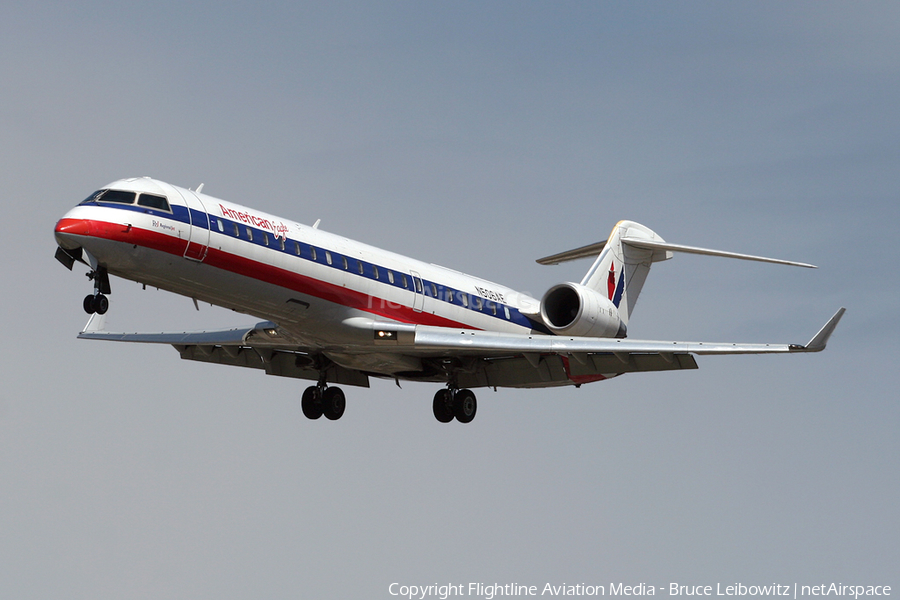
[619, 272]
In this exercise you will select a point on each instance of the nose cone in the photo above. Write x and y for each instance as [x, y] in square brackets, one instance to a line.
[68, 230]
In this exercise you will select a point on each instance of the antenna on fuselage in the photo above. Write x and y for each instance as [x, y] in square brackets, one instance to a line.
[316, 224]
[200, 188]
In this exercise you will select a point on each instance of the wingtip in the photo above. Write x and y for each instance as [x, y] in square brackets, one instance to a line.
[96, 324]
[819, 341]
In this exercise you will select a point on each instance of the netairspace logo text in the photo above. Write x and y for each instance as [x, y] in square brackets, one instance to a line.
[490, 591]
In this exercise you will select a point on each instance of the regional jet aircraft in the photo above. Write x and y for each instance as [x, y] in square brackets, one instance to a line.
[338, 311]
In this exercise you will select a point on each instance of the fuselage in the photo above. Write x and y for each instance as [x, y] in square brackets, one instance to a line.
[313, 283]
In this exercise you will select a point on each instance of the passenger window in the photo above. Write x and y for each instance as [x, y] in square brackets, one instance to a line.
[265, 238]
[359, 265]
[405, 284]
[375, 271]
[221, 226]
[328, 257]
[506, 311]
[346, 264]
[493, 308]
[433, 290]
[249, 234]
[281, 243]
[465, 300]
[312, 250]
[117, 196]
[237, 231]
[418, 286]
[297, 248]
[390, 276]
[476, 301]
[153, 201]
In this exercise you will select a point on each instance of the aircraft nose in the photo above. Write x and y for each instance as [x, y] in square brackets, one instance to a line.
[67, 228]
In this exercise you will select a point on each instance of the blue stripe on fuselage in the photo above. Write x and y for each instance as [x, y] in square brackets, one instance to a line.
[262, 237]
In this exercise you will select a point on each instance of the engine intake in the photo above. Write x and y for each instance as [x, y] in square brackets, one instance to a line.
[573, 309]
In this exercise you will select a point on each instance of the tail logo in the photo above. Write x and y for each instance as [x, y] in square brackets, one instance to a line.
[611, 281]
[613, 289]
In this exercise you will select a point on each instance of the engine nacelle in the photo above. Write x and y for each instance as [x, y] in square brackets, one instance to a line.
[573, 309]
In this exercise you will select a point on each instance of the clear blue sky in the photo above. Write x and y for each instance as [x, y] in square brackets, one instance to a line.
[477, 137]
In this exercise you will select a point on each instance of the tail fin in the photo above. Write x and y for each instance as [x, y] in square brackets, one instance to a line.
[624, 261]
[621, 268]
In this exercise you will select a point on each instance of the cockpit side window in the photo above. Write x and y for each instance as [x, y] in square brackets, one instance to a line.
[117, 196]
[153, 201]
[93, 197]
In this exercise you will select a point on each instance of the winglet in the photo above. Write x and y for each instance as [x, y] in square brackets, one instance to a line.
[817, 344]
[95, 324]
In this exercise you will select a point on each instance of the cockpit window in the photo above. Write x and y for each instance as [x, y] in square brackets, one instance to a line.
[93, 197]
[153, 201]
[117, 196]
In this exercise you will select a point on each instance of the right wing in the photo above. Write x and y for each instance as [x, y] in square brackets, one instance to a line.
[264, 346]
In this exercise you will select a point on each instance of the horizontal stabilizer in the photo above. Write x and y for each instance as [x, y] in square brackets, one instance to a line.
[592, 250]
[583, 252]
[655, 245]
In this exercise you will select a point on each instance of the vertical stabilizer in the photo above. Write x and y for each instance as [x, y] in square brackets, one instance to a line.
[620, 270]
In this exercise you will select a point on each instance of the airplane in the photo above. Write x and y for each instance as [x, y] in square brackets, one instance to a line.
[336, 311]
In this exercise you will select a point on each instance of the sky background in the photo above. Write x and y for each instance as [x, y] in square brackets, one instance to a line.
[479, 137]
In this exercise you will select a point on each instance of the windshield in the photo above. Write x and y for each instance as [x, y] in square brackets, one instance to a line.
[117, 196]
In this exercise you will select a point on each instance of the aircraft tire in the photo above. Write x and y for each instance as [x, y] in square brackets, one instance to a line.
[443, 406]
[101, 304]
[88, 304]
[311, 403]
[464, 405]
[333, 403]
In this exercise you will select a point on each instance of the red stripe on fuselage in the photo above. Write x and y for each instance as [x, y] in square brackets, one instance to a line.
[260, 271]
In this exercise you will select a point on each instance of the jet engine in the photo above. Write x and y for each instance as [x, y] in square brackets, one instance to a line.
[576, 310]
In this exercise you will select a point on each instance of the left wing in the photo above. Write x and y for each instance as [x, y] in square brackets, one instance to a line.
[469, 341]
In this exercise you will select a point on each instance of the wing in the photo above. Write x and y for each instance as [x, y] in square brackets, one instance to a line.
[264, 346]
[541, 360]
[479, 358]
[487, 342]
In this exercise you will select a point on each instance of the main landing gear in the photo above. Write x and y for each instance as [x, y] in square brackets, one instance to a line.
[98, 302]
[318, 400]
[452, 403]
[449, 404]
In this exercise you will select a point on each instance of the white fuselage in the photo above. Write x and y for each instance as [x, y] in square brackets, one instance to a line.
[313, 283]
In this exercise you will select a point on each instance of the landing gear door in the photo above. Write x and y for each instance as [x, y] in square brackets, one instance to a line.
[198, 238]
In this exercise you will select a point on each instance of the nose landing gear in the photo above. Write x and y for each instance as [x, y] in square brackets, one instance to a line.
[98, 302]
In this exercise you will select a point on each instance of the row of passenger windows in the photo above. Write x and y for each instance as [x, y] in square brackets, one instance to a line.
[123, 197]
[340, 261]
[394, 278]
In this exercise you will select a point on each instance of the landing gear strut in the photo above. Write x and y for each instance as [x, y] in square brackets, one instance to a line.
[452, 403]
